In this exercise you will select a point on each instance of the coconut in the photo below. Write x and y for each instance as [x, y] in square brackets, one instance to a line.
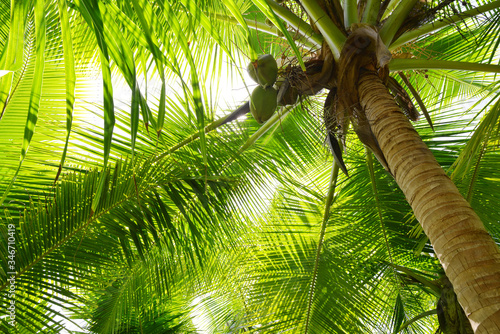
[264, 70]
[252, 71]
[263, 103]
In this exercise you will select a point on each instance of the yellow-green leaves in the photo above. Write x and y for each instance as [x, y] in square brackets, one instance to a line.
[91, 13]
[36, 86]
[239, 17]
[471, 155]
[195, 84]
[122, 54]
[146, 16]
[200, 17]
[69, 68]
[266, 9]
[12, 58]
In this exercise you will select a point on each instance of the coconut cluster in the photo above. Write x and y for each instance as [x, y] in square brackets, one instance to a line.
[263, 101]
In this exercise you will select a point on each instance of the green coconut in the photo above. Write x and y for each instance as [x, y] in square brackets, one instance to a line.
[263, 103]
[264, 70]
[252, 71]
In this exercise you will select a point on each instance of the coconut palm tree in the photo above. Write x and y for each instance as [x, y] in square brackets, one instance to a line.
[159, 213]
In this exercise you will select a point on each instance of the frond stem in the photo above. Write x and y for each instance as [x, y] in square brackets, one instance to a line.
[296, 22]
[332, 35]
[434, 26]
[264, 128]
[350, 13]
[435, 289]
[326, 215]
[395, 20]
[306, 39]
[399, 64]
[418, 317]
[369, 162]
[476, 170]
[371, 12]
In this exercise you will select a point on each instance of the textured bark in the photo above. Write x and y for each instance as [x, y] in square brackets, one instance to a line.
[470, 257]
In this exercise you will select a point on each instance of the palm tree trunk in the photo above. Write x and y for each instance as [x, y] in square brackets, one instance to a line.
[470, 257]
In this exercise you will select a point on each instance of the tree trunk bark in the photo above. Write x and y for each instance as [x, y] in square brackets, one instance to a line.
[470, 257]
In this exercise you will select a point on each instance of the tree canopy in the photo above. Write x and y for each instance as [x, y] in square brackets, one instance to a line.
[131, 204]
